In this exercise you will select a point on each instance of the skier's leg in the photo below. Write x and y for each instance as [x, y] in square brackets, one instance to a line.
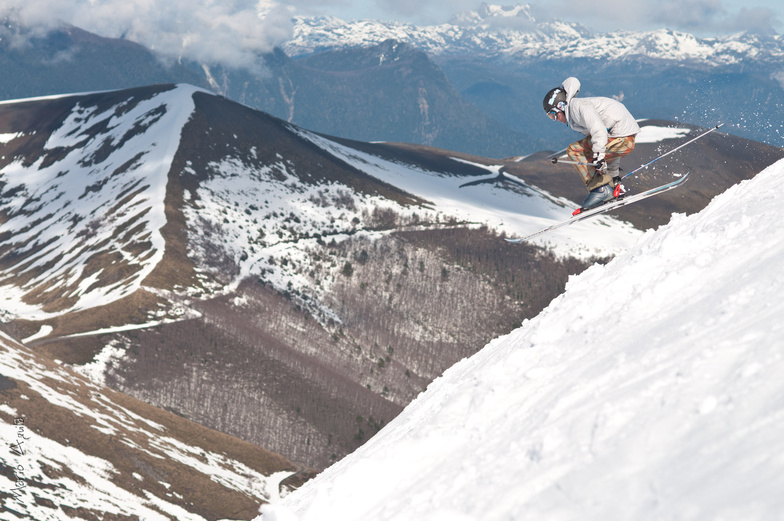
[579, 152]
[616, 149]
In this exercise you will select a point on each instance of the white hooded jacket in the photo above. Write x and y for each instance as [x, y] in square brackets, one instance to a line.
[600, 118]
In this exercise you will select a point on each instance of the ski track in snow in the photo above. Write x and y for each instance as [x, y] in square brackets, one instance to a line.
[652, 388]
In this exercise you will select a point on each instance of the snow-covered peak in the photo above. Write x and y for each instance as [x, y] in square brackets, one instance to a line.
[651, 389]
[488, 11]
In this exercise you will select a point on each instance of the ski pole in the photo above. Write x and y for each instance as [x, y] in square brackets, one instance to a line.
[646, 165]
[567, 162]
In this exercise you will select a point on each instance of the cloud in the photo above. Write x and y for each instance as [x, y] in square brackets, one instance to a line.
[712, 17]
[424, 11]
[755, 20]
[228, 32]
[694, 14]
[611, 15]
[700, 17]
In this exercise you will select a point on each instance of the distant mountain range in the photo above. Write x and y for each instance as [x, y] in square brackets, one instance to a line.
[473, 85]
[513, 35]
[390, 91]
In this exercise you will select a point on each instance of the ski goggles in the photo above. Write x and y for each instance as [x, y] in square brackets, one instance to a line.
[553, 114]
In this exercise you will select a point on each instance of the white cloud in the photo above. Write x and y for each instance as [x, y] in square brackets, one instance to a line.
[231, 32]
[693, 14]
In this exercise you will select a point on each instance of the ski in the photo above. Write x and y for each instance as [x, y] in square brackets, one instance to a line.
[605, 207]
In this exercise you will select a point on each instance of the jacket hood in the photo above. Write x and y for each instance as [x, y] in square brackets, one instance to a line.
[572, 86]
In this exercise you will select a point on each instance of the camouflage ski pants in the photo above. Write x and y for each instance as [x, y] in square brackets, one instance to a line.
[582, 152]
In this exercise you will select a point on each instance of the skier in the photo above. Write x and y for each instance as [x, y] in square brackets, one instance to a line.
[609, 129]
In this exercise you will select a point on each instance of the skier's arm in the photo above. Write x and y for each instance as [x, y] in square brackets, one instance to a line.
[585, 119]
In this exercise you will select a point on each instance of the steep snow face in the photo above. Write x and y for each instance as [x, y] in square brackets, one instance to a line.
[83, 221]
[653, 388]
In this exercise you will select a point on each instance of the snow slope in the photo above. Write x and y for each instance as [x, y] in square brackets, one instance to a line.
[653, 388]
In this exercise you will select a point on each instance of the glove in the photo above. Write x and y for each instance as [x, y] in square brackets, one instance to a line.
[599, 163]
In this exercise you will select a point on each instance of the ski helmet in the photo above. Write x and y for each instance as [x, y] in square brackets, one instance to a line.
[555, 100]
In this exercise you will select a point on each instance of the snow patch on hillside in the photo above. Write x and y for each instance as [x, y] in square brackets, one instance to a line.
[653, 388]
[5, 138]
[654, 134]
[92, 192]
[267, 222]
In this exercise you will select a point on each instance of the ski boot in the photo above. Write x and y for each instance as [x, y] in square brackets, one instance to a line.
[598, 196]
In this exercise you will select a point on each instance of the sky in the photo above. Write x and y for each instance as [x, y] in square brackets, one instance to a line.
[234, 31]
